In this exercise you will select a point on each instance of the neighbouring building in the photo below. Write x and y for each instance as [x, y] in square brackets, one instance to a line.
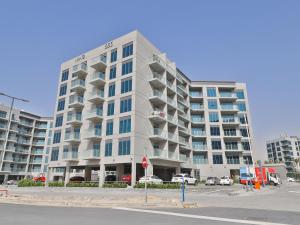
[126, 99]
[284, 149]
[23, 141]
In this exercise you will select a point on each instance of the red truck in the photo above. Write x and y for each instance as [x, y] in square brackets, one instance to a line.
[267, 175]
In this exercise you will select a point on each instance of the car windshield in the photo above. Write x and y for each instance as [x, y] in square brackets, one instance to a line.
[210, 178]
[155, 177]
[178, 176]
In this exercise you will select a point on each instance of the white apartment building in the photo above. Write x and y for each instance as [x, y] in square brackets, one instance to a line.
[126, 99]
[23, 141]
[284, 149]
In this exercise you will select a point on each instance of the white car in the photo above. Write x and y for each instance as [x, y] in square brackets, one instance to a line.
[226, 181]
[185, 177]
[290, 179]
[151, 179]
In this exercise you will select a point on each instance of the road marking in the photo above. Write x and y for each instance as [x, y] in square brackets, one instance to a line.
[200, 217]
[298, 192]
[209, 192]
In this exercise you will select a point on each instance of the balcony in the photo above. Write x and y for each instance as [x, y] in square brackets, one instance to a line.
[198, 133]
[157, 98]
[199, 146]
[23, 142]
[98, 79]
[158, 135]
[3, 126]
[158, 154]
[183, 89]
[171, 87]
[21, 150]
[9, 148]
[91, 154]
[76, 101]
[197, 120]
[232, 134]
[184, 116]
[80, 70]
[73, 137]
[184, 131]
[8, 159]
[26, 123]
[12, 139]
[172, 119]
[94, 134]
[171, 102]
[6, 169]
[98, 63]
[230, 121]
[157, 116]
[35, 161]
[2, 137]
[70, 156]
[78, 86]
[183, 143]
[20, 160]
[37, 152]
[196, 94]
[227, 96]
[172, 137]
[41, 126]
[40, 134]
[95, 115]
[97, 97]
[38, 143]
[157, 80]
[157, 64]
[229, 108]
[184, 158]
[74, 119]
[197, 107]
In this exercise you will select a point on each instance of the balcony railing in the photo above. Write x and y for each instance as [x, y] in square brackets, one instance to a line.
[91, 154]
[72, 136]
[198, 132]
[197, 119]
[78, 83]
[74, 117]
[159, 153]
[227, 94]
[70, 155]
[98, 75]
[198, 146]
[200, 161]
[76, 99]
[229, 107]
[78, 67]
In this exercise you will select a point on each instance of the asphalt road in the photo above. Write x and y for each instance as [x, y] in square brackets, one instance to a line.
[37, 215]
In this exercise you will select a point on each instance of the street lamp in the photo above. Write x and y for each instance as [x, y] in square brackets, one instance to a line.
[9, 120]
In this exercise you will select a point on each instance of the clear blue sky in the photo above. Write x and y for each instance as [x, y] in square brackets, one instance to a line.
[257, 42]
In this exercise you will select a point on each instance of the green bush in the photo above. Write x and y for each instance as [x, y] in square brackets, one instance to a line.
[159, 186]
[115, 185]
[296, 176]
[56, 184]
[30, 183]
[83, 184]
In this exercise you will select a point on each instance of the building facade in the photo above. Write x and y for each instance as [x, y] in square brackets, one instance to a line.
[23, 141]
[284, 149]
[126, 99]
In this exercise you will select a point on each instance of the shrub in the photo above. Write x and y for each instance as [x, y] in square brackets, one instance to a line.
[159, 186]
[115, 185]
[83, 184]
[56, 184]
[30, 183]
[296, 176]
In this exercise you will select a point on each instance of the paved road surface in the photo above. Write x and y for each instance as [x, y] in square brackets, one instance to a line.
[37, 215]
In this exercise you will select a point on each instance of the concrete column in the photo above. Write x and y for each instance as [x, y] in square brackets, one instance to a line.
[67, 175]
[101, 175]
[5, 178]
[133, 173]
[119, 170]
[177, 170]
[87, 173]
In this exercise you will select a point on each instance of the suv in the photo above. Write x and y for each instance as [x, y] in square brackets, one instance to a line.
[185, 177]
[212, 181]
[226, 180]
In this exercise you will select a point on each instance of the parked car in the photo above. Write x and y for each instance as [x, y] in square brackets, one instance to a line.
[126, 178]
[76, 179]
[226, 180]
[151, 179]
[110, 178]
[212, 181]
[290, 179]
[185, 177]
[11, 182]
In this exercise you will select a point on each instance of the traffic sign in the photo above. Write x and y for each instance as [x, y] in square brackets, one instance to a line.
[144, 162]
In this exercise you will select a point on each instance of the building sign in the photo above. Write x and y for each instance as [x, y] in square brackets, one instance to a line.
[108, 45]
[79, 58]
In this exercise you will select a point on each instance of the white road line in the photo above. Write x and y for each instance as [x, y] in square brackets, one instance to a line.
[200, 217]
[298, 192]
[208, 192]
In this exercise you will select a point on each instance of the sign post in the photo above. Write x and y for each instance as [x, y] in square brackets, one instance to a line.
[145, 165]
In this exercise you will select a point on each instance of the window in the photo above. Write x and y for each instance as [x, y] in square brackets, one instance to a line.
[246, 145]
[231, 145]
[241, 106]
[111, 108]
[112, 72]
[109, 127]
[240, 94]
[212, 104]
[59, 121]
[233, 159]
[125, 125]
[54, 154]
[217, 159]
[243, 119]
[3, 114]
[113, 55]
[124, 147]
[216, 145]
[244, 132]
[127, 67]
[213, 117]
[247, 160]
[214, 131]
[125, 105]
[56, 137]
[127, 50]
[211, 92]
[112, 90]
[61, 105]
[126, 86]
[63, 90]
[65, 75]
[108, 149]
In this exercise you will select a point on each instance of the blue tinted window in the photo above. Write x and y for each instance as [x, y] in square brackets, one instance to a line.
[214, 131]
[212, 104]
[113, 72]
[126, 86]
[113, 55]
[127, 67]
[211, 92]
[63, 90]
[109, 128]
[108, 149]
[125, 105]
[61, 105]
[241, 106]
[110, 108]
[59, 121]
[124, 147]
[56, 137]
[217, 159]
[127, 50]
[213, 117]
[216, 145]
[240, 94]
[65, 75]
[125, 125]
[54, 154]
[111, 90]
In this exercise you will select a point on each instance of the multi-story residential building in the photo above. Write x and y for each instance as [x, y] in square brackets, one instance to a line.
[126, 99]
[23, 141]
[284, 149]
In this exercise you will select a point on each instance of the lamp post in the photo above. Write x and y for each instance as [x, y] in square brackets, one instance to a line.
[9, 123]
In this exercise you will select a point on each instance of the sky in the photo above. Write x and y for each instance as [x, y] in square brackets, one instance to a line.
[256, 42]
